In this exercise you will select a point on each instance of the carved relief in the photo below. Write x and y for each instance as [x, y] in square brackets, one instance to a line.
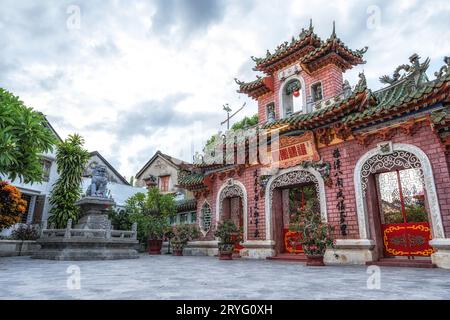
[342, 131]
[293, 178]
[378, 163]
[324, 135]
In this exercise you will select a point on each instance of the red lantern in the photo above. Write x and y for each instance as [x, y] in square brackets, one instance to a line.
[296, 93]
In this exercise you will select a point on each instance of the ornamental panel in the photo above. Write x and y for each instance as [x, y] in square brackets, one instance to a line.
[293, 178]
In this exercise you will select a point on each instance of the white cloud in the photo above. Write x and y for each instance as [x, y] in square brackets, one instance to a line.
[93, 79]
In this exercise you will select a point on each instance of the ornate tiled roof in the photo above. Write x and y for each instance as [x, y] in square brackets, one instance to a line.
[190, 180]
[288, 52]
[402, 97]
[255, 88]
[440, 123]
[404, 94]
[312, 53]
[186, 205]
[335, 50]
[327, 114]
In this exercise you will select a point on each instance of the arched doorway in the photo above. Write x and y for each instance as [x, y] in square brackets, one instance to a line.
[232, 205]
[285, 192]
[396, 199]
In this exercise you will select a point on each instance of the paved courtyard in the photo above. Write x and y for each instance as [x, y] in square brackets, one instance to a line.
[167, 277]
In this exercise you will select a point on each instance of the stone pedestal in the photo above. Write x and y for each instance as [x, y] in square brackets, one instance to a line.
[351, 251]
[91, 239]
[441, 257]
[258, 249]
[93, 213]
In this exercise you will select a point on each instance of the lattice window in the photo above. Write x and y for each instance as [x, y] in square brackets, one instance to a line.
[380, 163]
[206, 217]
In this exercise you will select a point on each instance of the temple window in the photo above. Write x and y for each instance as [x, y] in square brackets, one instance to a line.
[205, 218]
[316, 92]
[292, 97]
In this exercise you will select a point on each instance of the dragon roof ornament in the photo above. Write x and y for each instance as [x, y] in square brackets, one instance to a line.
[445, 69]
[415, 70]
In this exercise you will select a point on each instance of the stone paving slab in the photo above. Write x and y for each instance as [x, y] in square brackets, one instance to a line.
[168, 277]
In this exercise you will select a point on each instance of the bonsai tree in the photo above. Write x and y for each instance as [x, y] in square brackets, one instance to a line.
[182, 234]
[314, 235]
[229, 234]
[71, 159]
[12, 206]
[24, 136]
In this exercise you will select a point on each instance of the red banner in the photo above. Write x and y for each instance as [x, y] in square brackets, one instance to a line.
[293, 150]
[407, 239]
[290, 238]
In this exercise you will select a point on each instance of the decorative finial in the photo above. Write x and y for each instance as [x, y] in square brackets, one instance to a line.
[333, 34]
[238, 81]
[362, 83]
[311, 28]
[415, 71]
[362, 51]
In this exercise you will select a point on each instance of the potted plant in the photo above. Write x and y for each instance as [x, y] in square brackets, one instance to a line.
[229, 234]
[182, 234]
[156, 228]
[151, 212]
[314, 235]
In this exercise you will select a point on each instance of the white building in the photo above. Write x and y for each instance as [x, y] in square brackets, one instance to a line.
[37, 194]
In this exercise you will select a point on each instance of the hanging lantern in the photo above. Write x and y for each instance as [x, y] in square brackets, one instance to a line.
[296, 93]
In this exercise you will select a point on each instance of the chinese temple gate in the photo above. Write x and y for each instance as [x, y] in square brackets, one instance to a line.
[377, 161]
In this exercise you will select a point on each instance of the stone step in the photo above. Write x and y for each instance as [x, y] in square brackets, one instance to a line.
[289, 257]
[408, 263]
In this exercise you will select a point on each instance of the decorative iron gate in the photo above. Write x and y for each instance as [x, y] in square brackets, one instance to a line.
[404, 219]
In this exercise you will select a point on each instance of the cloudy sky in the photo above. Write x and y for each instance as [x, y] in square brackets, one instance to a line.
[134, 77]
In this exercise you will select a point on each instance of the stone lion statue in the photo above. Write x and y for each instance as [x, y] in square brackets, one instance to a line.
[99, 182]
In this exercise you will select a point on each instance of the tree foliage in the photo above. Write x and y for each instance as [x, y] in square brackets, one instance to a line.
[151, 212]
[12, 206]
[240, 125]
[23, 138]
[246, 122]
[313, 234]
[71, 159]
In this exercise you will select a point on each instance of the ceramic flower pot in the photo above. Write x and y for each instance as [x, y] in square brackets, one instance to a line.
[314, 260]
[177, 252]
[226, 251]
[154, 246]
[177, 249]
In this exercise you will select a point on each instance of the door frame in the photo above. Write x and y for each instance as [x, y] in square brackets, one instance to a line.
[430, 188]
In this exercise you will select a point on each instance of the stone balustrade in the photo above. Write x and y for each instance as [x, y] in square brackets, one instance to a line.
[107, 233]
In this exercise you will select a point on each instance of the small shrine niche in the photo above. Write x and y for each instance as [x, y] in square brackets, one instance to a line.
[292, 100]
[316, 92]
